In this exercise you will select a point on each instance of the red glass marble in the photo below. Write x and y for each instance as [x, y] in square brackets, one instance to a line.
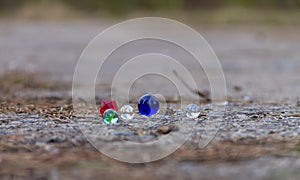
[107, 104]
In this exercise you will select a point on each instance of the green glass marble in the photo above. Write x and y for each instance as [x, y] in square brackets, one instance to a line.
[110, 116]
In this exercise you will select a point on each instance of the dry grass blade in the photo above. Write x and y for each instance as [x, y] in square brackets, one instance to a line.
[194, 91]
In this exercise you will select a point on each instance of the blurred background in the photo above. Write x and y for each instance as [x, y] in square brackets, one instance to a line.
[256, 41]
[208, 11]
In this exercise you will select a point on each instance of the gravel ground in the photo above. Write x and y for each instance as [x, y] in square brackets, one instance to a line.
[255, 141]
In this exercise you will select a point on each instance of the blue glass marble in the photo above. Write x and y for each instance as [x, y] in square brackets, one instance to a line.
[148, 105]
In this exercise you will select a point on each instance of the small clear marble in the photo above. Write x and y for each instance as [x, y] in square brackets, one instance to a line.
[127, 112]
[192, 111]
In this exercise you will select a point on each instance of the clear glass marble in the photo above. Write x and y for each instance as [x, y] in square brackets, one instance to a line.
[192, 111]
[127, 112]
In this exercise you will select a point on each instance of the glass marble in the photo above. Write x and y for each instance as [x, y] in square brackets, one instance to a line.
[192, 111]
[110, 116]
[148, 105]
[107, 104]
[126, 112]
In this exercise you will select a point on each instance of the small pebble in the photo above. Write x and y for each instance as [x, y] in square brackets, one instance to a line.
[166, 129]
[298, 103]
[248, 99]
